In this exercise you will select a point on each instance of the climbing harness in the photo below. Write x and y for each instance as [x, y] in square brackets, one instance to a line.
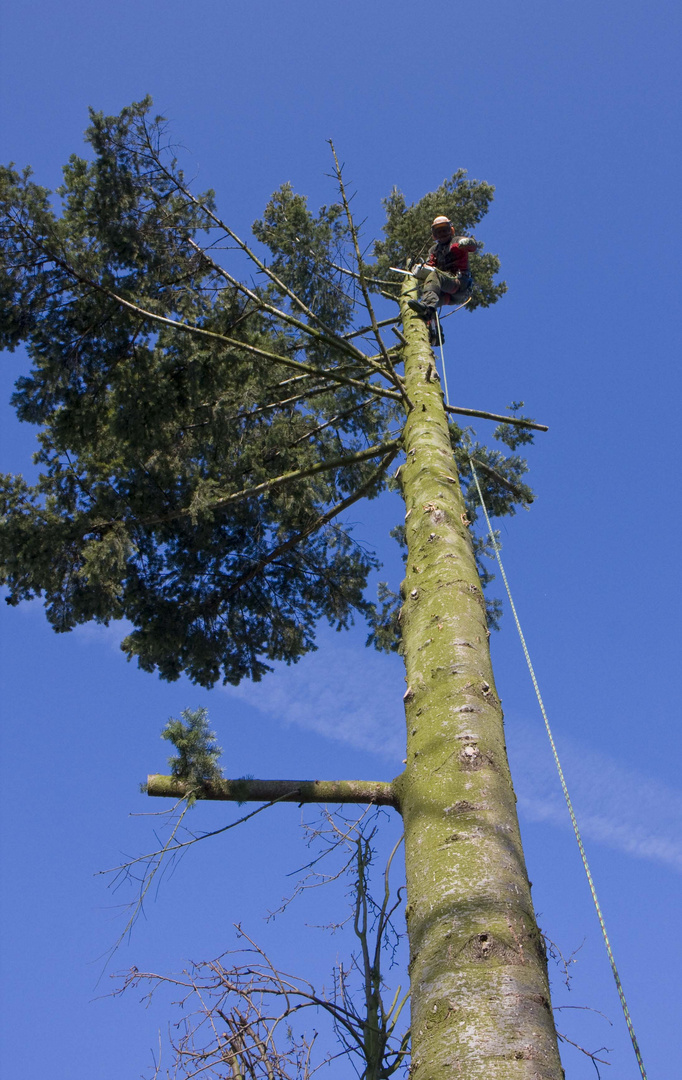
[557, 762]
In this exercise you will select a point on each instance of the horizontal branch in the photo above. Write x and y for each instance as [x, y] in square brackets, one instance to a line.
[386, 448]
[377, 792]
[364, 329]
[312, 527]
[518, 420]
[301, 474]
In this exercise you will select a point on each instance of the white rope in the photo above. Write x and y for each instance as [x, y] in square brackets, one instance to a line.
[442, 358]
[564, 787]
[557, 762]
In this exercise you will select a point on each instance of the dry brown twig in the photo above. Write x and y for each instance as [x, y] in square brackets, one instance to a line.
[243, 1018]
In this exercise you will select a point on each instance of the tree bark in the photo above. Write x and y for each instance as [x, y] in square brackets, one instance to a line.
[479, 987]
[245, 789]
[480, 993]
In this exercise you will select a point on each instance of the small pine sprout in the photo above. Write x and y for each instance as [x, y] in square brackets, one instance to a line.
[198, 752]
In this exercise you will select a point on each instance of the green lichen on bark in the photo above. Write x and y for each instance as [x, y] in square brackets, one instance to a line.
[480, 993]
[247, 789]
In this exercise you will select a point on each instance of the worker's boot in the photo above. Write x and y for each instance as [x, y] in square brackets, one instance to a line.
[421, 308]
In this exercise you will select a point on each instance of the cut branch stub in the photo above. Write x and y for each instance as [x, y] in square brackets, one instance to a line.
[377, 792]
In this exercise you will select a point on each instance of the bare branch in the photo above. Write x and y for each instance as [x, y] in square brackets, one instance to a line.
[399, 334]
[170, 847]
[363, 285]
[239, 1011]
[366, 329]
[592, 1054]
[377, 792]
[145, 886]
[359, 277]
[519, 421]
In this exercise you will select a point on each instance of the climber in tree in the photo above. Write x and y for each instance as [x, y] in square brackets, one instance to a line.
[445, 273]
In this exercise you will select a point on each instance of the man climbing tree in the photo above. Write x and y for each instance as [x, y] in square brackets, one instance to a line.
[200, 440]
[450, 281]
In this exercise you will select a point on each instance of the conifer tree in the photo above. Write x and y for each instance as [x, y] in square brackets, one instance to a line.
[206, 418]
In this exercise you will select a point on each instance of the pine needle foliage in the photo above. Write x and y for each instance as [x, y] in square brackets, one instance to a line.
[198, 753]
[206, 414]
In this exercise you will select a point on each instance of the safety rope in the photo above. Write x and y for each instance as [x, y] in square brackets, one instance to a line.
[557, 762]
[442, 357]
[564, 788]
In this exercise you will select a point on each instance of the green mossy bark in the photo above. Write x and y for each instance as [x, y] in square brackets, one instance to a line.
[480, 992]
[377, 792]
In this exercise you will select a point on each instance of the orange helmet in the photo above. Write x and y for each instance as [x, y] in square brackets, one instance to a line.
[442, 228]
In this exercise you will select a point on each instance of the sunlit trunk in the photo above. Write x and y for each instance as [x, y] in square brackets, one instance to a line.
[480, 994]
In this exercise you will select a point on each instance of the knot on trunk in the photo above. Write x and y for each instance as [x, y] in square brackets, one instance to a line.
[472, 759]
[485, 948]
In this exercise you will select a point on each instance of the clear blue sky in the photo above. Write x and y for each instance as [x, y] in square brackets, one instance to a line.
[572, 111]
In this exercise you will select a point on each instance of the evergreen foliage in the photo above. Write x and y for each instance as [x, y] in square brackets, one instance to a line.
[200, 437]
[198, 753]
[200, 440]
[305, 249]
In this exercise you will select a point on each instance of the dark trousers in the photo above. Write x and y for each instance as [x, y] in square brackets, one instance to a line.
[437, 283]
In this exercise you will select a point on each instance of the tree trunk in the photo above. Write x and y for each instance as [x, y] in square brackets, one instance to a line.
[480, 992]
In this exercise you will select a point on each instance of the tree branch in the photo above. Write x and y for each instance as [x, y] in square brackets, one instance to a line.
[220, 224]
[267, 485]
[365, 329]
[361, 278]
[378, 792]
[324, 338]
[301, 474]
[501, 479]
[222, 338]
[518, 420]
[318, 523]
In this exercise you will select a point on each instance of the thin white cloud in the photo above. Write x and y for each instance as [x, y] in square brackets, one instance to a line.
[99, 634]
[352, 695]
[615, 804]
[346, 693]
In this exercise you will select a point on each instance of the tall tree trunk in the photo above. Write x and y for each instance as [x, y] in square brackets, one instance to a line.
[480, 992]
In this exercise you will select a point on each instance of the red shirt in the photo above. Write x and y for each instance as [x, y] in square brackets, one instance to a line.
[453, 255]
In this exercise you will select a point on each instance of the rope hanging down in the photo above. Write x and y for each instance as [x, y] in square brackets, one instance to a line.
[564, 788]
[557, 762]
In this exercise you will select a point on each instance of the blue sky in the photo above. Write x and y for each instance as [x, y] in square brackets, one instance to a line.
[572, 111]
